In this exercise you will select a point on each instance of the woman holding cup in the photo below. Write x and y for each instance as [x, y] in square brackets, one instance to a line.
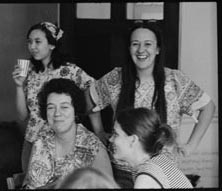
[46, 63]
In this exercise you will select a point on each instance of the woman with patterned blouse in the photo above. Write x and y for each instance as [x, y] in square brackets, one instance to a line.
[47, 63]
[144, 82]
[67, 145]
[138, 138]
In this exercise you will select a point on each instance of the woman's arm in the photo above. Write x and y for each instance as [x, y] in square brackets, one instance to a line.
[20, 95]
[204, 119]
[102, 162]
[95, 118]
[21, 104]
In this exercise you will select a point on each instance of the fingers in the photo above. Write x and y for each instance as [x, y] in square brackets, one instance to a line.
[16, 76]
[16, 71]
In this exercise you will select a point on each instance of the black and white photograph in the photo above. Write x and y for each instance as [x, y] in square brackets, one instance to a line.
[110, 95]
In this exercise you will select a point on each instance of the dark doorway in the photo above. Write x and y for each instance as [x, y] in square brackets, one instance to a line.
[98, 45]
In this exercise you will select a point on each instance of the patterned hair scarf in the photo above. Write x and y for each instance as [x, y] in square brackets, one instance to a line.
[55, 31]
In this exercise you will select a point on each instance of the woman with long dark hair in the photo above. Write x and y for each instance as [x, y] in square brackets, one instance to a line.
[143, 81]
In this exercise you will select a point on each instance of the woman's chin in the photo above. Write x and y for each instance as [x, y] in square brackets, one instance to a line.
[117, 156]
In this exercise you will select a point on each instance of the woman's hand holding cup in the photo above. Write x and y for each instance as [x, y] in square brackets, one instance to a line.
[20, 71]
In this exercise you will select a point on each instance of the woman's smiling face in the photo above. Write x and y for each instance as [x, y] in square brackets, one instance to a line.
[60, 112]
[121, 143]
[143, 48]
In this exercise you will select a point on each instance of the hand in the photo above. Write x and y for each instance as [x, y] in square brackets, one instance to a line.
[19, 80]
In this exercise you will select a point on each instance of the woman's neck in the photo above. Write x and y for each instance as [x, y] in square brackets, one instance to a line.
[46, 67]
[66, 137]
[46, 62]
[145, 75]
[65, 142]
[140, 158]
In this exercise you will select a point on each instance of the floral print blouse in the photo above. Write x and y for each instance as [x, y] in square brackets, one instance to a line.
[183, 96]
[45, 168]
[33, 85]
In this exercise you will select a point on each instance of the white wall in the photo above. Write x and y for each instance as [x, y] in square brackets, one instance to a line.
[198, 59]
[198, 44]
[15, 21]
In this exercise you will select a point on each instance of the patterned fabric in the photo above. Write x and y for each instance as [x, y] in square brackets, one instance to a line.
[183, 96]
[45, 168]
[55, 31]
[33, 85]
[163, 170]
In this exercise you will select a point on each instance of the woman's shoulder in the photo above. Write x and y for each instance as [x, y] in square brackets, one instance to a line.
[176, 75]
[113, 77]
[68, 65]
[85, 135]
[170, 71]
[116, 70]
[155, 163]
[44, 136]
[148, 165]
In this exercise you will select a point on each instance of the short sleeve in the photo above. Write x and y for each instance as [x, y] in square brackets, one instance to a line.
[106, 89]
[41, 165]
[78, 75]
[190, 96]
[154, 171]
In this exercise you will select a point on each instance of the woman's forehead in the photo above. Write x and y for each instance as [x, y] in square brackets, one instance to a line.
[143, 33]
[59, 97]
[37, 33]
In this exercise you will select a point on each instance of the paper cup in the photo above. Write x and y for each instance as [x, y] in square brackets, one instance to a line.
[24, 66]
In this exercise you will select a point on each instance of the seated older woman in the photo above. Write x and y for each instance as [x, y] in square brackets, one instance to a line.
[68, 145]
[139, 138]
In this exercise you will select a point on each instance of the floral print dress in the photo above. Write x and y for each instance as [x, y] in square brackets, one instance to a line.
[33, 85]
[183, 96]
[44, 168]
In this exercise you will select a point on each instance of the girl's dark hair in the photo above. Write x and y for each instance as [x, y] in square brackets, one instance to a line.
[129, 74]
[57, 58]
[61, 86]
[146, 124]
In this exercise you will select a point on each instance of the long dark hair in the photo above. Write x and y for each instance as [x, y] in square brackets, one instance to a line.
[129, 74]
[57, 57]
[146, 124]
